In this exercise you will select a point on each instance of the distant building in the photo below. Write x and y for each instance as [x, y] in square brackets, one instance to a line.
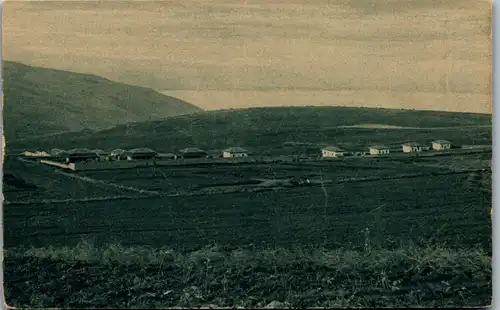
[35, 154]
[412, 147]
[379, 150]
[80, 155]
[166, 156]
[140, 154]
[57, 152]
[356, 153]
[193, 152]
[332, 151]
[117, 154]
[234, 152]
[441, 145]
[103, 155]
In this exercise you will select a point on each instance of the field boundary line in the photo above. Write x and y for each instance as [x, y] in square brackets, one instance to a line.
[109, 184]
[71, 200]
[407, 176]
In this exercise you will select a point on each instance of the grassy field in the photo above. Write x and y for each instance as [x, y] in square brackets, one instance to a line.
[120, 276]
[31, 181]
[445, 211]
[422, 241]
[440, 208]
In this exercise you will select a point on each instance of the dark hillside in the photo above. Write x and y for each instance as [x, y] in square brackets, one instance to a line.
[265, 129]
[41, 101]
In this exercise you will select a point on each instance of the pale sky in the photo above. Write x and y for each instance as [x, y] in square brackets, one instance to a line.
[221, 54]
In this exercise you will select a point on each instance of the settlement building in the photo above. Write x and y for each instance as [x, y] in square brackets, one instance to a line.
[379, 150]
[35, 154]
[356, 153]
[80, 155]
[140, 154]
[332, 151]
[441, 145]
[166, 156]
[117, 154]
[103, 155]
[412, 147]
[234, 152]
[57, 152]
[193, 152]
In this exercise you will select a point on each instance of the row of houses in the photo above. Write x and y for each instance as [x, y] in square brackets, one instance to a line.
[410, 147]
[84, 154]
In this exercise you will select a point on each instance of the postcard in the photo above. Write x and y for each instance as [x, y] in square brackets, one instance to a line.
[224, 154]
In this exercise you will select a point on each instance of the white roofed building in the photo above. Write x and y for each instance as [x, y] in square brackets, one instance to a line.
[234, 152]
[441, 145]
[412, 147]
[332, 151]
[379, 150]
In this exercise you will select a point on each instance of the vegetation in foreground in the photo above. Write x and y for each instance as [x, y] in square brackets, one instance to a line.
[116, 276]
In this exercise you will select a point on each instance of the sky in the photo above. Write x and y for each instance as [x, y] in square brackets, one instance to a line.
[421, 54]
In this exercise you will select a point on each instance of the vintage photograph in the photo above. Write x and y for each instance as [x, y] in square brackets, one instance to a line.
[247, 153]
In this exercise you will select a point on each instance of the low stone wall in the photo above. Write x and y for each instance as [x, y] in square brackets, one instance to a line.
[124, 164]
[105, 165]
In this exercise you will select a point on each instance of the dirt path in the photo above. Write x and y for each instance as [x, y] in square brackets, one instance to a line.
[385, 126]
[70, 200]
[108, 184]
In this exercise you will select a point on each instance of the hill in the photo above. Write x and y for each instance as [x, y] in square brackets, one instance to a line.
[265, 129]
[40, 101]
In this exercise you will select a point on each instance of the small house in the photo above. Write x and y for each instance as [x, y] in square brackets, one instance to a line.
[103, 155]
[234, 152]
[80, 155]
[57, 152]
[356, 153]
[35, 154]
[166, 156]
[117, 154]
[441, 145]
[193, 152]
[412, 147]
[140, 154]
[332, 151]
[379, 150]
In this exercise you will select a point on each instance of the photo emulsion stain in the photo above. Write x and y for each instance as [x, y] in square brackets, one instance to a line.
[247, 153]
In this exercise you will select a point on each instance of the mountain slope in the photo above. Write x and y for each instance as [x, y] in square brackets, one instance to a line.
[265, 129]
[40, 101]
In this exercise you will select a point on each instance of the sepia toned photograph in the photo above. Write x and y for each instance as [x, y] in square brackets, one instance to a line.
[247, 153]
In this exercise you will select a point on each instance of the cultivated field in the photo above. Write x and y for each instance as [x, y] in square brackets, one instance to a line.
[429, 200]
[245, 227]
[213, 214]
